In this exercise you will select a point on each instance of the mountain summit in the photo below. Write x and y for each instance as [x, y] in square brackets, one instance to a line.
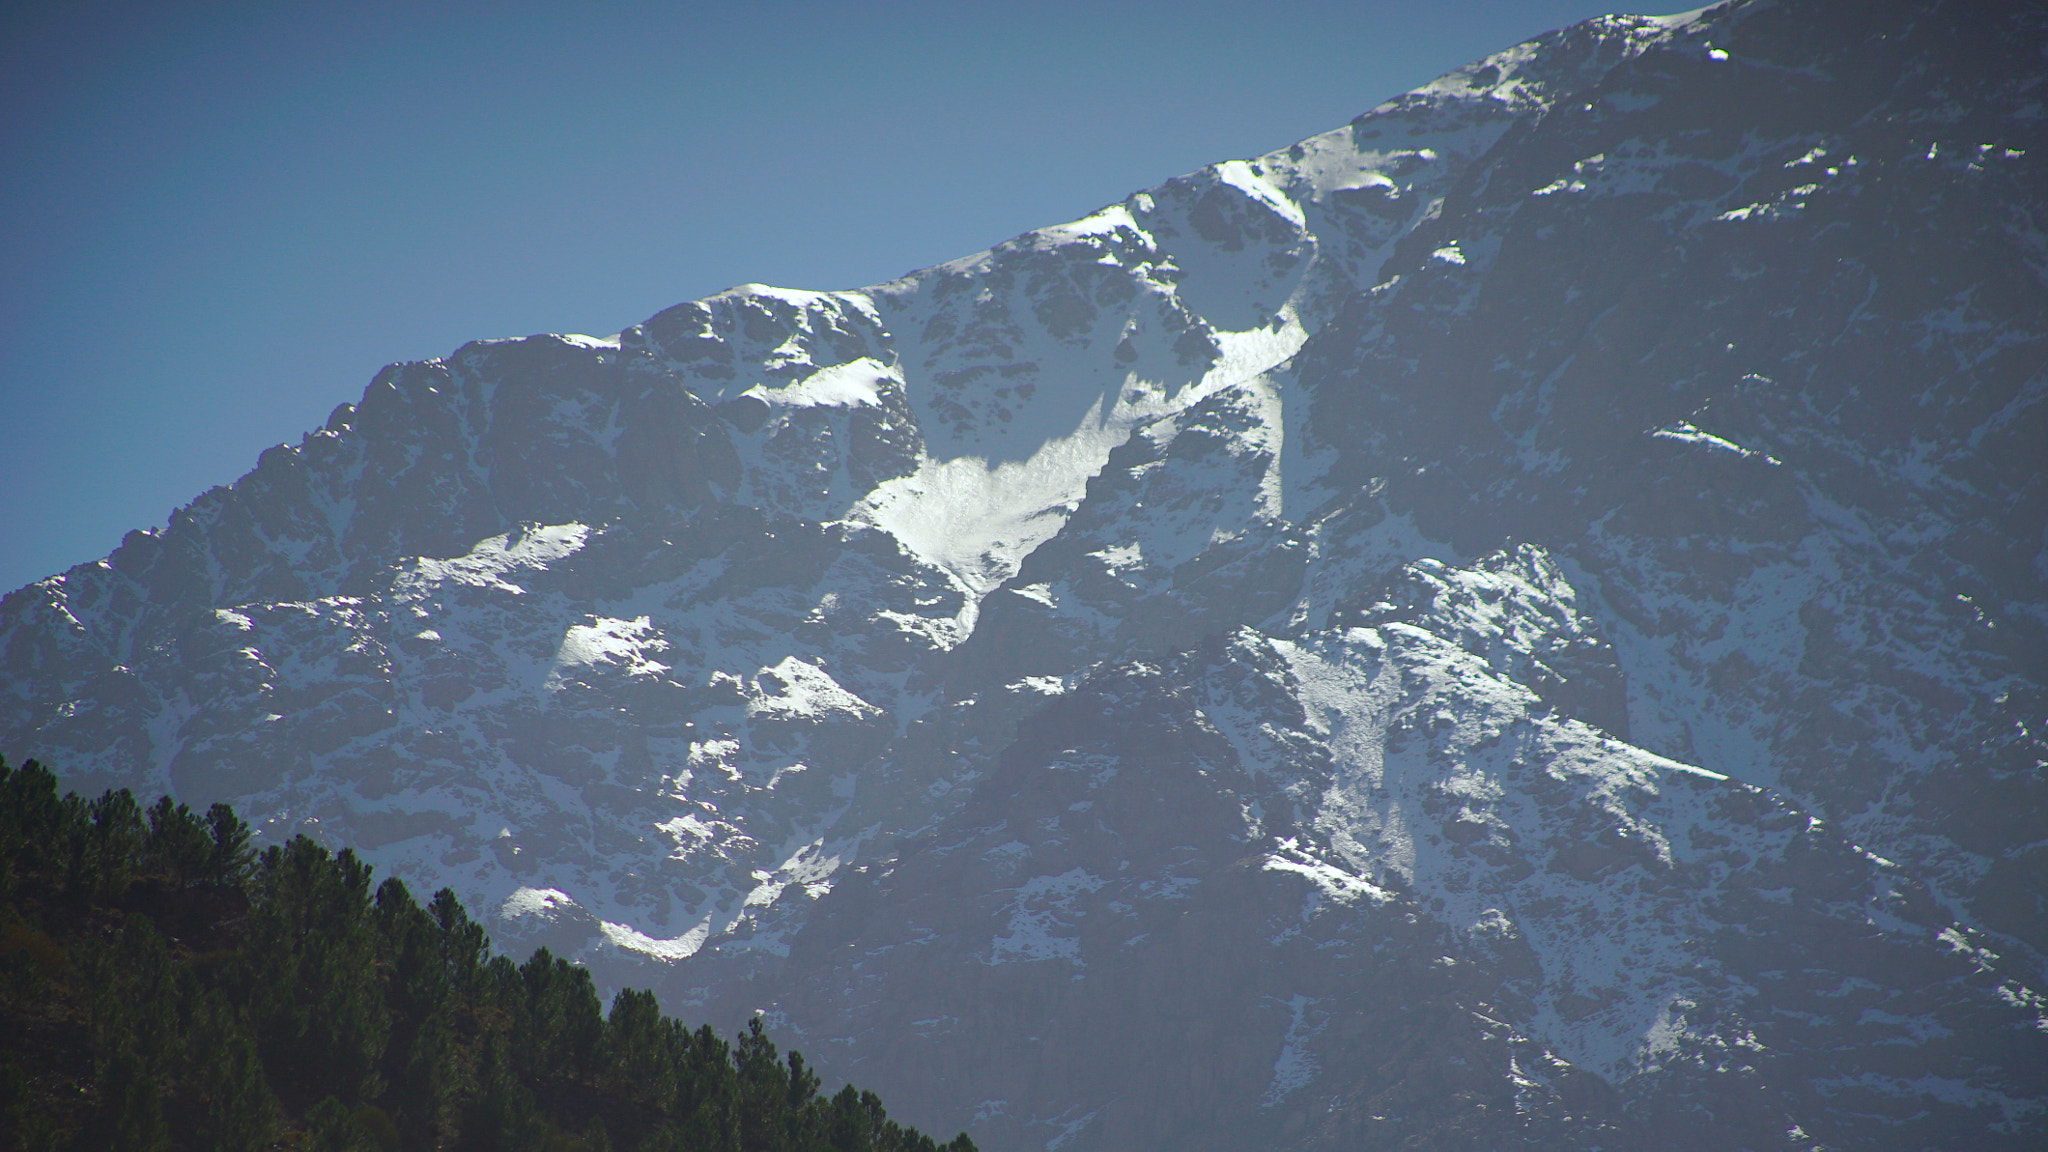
[1518, 622]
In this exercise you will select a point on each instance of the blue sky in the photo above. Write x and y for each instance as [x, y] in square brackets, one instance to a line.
[220, 219]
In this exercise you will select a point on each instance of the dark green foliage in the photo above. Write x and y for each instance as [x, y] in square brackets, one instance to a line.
[331, 1127]
[235, 1109]
[165, 989]
[177, 843]
[314, 985]
[131, 1111]
[561, 1017]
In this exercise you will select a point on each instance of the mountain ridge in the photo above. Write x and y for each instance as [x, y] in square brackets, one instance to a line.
[1593, 493]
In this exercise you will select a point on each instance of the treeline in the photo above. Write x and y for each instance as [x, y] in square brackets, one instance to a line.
[164, 987]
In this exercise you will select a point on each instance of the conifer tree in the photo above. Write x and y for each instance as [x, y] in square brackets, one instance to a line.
[130, 1113]
[237, 1111]
[228, 861]
[331, 1127]
[642, 1060]
[178, 846]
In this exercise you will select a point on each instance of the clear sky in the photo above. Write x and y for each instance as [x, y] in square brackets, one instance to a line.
[218, 220]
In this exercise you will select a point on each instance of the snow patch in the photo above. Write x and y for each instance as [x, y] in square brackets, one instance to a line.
[1294, 1067]
[1685, 432]
[1042, 906]
[796, 689]
[542, 902]
[495, 558]
[631, 939]
[625, 643]
[854, 384]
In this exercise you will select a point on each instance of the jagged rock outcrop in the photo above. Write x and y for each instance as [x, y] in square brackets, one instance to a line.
[1515, 623]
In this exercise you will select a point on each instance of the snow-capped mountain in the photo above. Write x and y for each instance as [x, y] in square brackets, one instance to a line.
[1519, 622]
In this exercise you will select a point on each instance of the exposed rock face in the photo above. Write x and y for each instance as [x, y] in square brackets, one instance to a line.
[1521, 622]
[1159, 845]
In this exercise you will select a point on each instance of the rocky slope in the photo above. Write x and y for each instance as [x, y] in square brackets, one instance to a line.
[1517, 622]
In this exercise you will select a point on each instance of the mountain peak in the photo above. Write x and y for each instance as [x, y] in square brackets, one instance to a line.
[1538, 590]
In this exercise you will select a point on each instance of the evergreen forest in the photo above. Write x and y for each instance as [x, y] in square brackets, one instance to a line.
[166, 986]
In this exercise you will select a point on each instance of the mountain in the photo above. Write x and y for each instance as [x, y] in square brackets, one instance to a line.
[1518, 622]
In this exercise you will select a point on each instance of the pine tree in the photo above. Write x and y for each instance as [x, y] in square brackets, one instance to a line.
[763, 1092]
[846, 1122]
[229, 860]
[131, 1113]
[331, 1127]
[319, 1010]
[642, 1058]
[238, 1112]
[178, 846]
[112, 844]
[562, 1013]
[502, 1116]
